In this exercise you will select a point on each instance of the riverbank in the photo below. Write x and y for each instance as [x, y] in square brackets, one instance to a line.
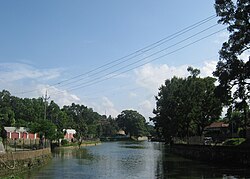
[229, 155]
[22, 161]
[84, 144]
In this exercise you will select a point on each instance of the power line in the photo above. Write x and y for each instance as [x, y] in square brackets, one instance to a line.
[132, 55]
[138, 52]
[98, 80]
[83, 86]
[151, 55]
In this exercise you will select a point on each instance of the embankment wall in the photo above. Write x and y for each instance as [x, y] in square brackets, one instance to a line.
[231, 155]
[21, 161]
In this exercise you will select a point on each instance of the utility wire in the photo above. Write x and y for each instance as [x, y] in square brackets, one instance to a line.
[112, 75]
[83, 86]
[136, 53]
[149, 56]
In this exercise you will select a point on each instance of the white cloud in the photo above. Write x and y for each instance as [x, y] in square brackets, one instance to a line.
[105, 106]
[61, 97]
[208, 68]
[245, 55]
[146, 108]
[132, 95]
[146, 105]
[221, 37]
[27, 81]
[109, 107]
[10, 72]
[152, 76]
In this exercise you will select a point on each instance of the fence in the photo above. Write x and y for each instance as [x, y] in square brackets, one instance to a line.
[25, 144]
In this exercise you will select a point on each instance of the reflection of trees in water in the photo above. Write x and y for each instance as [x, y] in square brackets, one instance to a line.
[159, 169]
[141, 159]
[72, 153]
[178, 167]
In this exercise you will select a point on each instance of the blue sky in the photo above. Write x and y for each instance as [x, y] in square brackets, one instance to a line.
[44, 43]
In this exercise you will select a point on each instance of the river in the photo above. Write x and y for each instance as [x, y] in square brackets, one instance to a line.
[125, 160]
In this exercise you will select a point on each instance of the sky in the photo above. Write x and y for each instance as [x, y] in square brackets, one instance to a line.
[108, 55]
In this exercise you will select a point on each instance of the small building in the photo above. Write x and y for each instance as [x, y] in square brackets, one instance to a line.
[19, 133]
[121, 132]
[219, 131]
[69, 134]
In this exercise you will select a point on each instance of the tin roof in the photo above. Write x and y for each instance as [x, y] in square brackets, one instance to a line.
[15, 129]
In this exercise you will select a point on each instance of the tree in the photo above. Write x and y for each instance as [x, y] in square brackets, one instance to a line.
[184, 106]
[170, 110]
[109, 127]
[44, 128]
[207, 106]
[132, 123]
[232, 71]
[84, 120]
[7, 115]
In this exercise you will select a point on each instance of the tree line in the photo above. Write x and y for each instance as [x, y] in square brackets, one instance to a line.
[184, 106]
[31, 114]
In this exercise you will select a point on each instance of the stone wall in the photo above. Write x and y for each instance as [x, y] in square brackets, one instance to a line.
[230, 155]
[16, 162]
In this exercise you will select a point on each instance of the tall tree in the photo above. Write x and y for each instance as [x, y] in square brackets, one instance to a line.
[184, 106]
[132, 123]
[7, 115]
[207, 106]
[232, 71]
[168, 111]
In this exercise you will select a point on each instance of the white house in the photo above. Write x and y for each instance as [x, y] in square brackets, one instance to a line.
[69, 134]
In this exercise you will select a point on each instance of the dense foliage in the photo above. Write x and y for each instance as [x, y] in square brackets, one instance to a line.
[185, 106]
[232, 70]
[132, 123]
[30, 113]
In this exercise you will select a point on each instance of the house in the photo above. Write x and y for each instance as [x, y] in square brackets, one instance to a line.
[69, 134]
[121, 132]
[19, 133]
[219, 131]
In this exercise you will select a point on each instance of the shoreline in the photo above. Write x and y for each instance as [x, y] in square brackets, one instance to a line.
[213, 154]
[82, 145]
[21, 161]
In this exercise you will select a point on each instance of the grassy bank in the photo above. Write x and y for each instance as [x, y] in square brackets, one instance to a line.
[85, 143]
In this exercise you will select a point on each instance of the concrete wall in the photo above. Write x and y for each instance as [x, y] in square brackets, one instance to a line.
[17, 162]
[230, 155]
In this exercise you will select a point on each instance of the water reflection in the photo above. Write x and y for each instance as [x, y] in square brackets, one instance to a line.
[129, 160]
[179, 168]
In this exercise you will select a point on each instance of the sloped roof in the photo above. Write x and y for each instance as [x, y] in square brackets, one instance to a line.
[14, 129]
[70, 131]
[217, 125]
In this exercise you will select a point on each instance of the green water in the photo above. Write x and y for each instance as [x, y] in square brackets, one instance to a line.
[125, 160]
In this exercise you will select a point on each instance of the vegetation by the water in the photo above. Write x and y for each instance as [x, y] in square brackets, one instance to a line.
[185, 106]
[74, 144]
[12, 177]
[31, 113]
[234, 141]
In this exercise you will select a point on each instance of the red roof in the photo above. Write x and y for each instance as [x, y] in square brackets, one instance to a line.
[217, 125]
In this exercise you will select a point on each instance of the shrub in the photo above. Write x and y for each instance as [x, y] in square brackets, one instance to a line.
[233, 141]
[64, 142]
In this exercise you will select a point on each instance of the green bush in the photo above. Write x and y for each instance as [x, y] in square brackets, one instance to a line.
[64, 142]
[233, 141]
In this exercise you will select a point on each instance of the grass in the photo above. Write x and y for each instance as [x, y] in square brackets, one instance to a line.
[83, 143]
